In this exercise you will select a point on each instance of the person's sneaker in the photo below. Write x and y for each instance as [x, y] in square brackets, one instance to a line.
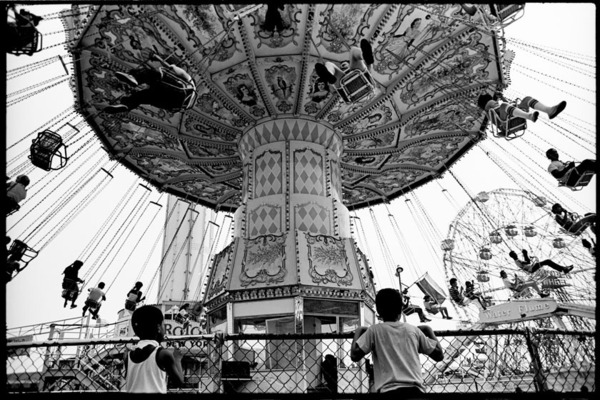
[324, 73]
[425, 320]
[129, 79]
[535, 116]
[448, 317]
[367, 51]
[117, 108]
[557, 109]
[568, 269]
[73, 305]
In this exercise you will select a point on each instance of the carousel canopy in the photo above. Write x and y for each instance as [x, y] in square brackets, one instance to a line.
[431, 62]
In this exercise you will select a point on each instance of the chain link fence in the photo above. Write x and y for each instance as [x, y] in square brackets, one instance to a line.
[497, 361]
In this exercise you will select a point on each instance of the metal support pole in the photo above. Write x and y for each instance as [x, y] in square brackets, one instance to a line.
[538, 379]
[45, 367]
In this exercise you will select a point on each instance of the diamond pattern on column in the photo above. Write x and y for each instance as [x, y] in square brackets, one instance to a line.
[268, 174]
[336, 179]
[308, 173]
[312, 218]
[264, 219]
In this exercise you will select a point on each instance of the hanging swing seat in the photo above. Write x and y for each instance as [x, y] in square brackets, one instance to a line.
[48, 151]
[20, 251]
[579, 225]
[355, 85]
[130, 305]
[70, 289]
[92, 304]
[14, 209]
[185, 92]
[583, 181]
[506, 14]
[181, 318]
[507, 127]
[22, 39]
[463, 303]
[68, 294]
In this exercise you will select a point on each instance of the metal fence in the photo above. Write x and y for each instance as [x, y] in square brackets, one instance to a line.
[497, 361]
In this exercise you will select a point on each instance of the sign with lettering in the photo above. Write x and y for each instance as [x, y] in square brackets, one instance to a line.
[173, 328]
[191, 347]
[519, 310]
[555, 281]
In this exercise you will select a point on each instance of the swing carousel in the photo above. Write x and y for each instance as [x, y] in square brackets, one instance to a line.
[266, 139]
[284, 159]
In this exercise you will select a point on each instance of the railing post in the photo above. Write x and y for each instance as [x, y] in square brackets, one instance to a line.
[42, 381]
[219, 344]
[538, 379]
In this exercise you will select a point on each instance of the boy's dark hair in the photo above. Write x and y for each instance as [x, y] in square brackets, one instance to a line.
[23, 179]
[550, 153]
[483, 99]
[101, 285]
[389, 304]
[144, 321]
[453, 280]
[556, 208]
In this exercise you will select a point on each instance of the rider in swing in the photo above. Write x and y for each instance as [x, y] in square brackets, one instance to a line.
[69, 284]
[157, 93]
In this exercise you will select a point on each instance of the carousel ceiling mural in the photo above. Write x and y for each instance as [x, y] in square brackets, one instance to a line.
[430, 64]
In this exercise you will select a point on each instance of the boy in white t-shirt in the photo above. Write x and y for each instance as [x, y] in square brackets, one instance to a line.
[396, 347]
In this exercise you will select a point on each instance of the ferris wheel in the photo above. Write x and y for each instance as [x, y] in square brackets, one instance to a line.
[487, 229]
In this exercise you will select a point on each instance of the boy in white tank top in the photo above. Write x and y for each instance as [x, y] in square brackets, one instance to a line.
[148, 364]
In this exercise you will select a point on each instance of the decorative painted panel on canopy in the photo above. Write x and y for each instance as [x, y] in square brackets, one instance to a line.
[431, 61]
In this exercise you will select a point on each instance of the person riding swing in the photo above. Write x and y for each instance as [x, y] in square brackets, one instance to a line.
[134, 297]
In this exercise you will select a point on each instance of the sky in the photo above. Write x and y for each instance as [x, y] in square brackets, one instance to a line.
[565, 32]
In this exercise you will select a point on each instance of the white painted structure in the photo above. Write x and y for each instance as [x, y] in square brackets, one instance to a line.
[185, 249]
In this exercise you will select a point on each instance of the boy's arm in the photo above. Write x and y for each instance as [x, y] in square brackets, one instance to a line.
[438, 353]
[170, 361]
[356, 353]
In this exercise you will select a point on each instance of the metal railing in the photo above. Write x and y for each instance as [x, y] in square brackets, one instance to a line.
[483, 361]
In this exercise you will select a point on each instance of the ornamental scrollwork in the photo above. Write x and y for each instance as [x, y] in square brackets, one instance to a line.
[327, 260]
